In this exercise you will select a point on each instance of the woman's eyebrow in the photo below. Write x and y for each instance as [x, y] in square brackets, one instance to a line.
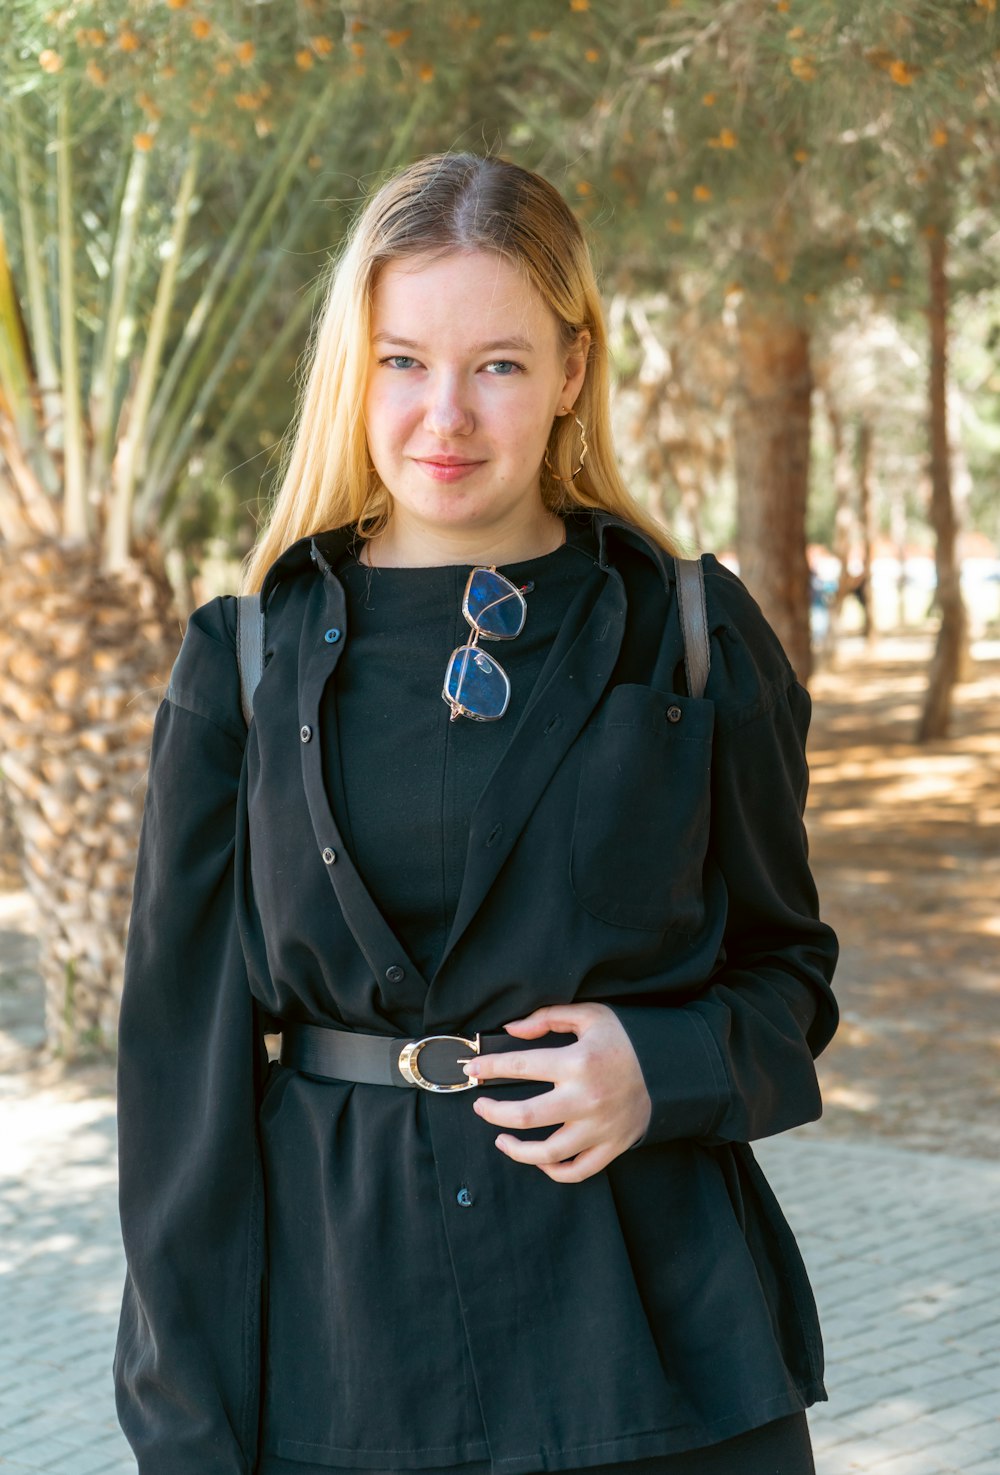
[520, 344]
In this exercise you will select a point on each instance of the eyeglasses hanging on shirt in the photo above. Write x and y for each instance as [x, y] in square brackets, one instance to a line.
[475, 685]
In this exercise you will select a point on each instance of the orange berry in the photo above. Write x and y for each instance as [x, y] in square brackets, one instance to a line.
[245, 52]
[579, 4]
[591, 54]
[397, 38]
[708, 100]
[702, 192]
[901, 73]
[801, 156]
[247, 102]
[304, 59]
[143, 142]
[425, 72]
[96, 74]
[803, 67]
[322, 45]
[201, 29]
[223, 66]
[584, 188]
[671, 196]
[50, 61]
[128, 41]
[358, 48]
[727, 138]
[939, 138]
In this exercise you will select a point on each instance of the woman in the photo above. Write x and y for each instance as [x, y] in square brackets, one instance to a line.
[590, 882]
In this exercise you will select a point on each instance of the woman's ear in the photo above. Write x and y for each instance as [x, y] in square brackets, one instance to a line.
[575, 366]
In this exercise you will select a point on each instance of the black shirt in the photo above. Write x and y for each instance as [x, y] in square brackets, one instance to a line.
[404, 777]
[632, 845]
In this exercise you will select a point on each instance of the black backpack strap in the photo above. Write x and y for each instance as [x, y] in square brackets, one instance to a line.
[694, 623]
[249, 649]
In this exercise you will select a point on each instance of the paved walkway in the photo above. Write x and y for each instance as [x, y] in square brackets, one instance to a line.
[902, 1246]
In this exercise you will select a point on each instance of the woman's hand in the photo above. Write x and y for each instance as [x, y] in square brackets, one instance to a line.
[599, 1100]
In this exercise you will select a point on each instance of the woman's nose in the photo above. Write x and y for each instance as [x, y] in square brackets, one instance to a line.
[448, 411]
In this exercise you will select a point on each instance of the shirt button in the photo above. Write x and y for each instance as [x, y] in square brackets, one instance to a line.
[395, 974]
[305, 733]
[329, 856]
[332, 636]
[674, 714]
[464, 1197]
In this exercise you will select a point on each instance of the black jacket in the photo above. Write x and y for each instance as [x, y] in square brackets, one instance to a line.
[634, 846]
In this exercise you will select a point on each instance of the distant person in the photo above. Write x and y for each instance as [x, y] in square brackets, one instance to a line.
[481, 798]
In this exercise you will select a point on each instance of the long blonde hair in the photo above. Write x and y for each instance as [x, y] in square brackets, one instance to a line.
[442, 203]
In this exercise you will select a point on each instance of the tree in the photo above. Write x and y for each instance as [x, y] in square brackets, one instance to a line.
[157, 178]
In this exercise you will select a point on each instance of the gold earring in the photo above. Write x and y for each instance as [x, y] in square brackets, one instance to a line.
[583, 453]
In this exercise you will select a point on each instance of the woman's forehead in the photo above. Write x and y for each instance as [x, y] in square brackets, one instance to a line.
[461, 295]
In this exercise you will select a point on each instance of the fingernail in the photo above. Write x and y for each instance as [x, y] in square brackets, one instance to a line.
[501, 1142]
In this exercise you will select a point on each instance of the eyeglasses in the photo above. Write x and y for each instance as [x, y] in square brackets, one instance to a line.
[475, 685]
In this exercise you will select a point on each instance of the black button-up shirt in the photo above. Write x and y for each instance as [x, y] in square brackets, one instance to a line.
[632, 845]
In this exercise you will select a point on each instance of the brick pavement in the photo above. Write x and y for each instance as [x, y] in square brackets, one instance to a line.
[902, 1247]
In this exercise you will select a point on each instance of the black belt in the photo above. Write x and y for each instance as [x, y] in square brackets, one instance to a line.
[432, 1063]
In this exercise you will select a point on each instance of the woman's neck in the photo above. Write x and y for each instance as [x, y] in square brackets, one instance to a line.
[403, 545]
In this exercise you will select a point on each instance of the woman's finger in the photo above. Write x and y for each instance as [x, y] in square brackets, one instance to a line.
[527, 1065]
[546, 1110]
[566, 1143]
[584, 1165]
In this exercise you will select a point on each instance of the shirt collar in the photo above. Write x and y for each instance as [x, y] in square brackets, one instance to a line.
[320, 549]
[323, 549]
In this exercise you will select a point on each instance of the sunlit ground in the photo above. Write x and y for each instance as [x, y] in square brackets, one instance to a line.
[906, 848]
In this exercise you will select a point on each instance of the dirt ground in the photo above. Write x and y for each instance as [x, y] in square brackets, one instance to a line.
[906, 850]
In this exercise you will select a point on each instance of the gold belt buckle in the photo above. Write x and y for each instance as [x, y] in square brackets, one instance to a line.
[409, 1070]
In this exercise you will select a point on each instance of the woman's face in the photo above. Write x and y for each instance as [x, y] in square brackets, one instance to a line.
[466, 375]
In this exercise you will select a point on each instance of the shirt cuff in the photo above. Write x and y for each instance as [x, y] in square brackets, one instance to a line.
[681, 1066]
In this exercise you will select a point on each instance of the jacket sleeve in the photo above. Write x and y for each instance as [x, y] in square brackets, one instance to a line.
[187, 1360]
[736, 1062]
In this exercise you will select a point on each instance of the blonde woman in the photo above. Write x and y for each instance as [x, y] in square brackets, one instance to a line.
[532, 915]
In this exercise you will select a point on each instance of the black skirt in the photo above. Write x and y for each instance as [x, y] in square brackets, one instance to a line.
[779, 1448]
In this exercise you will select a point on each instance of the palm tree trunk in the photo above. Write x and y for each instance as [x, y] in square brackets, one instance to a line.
[771, 432]
[83, 659]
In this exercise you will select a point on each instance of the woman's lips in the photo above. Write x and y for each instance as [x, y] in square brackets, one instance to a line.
[447, 470]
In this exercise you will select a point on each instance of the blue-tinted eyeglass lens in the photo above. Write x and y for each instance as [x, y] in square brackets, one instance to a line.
[477, 683]
[494, 605]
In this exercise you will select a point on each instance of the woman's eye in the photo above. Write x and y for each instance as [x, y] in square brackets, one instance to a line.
[398, 361]
[504, 367]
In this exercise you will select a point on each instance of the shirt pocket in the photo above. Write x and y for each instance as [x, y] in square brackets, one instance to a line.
[643, 810]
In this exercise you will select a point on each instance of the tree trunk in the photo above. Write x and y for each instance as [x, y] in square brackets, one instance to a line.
[866, 520]
[843, 517]
[771, 430]
[949, 651]
[83, 659]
